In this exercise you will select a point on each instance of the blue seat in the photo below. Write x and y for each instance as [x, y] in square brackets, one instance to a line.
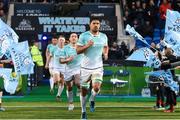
[122, 73]
[162, 32]
[157, 32]
[156, 40]
[108, 73]
[140, 44]
[148, 39]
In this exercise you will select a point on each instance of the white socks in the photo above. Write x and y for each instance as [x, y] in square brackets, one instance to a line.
[51, 81]
[93, 95]
[69, 96]
[60, 89]
[83, 103]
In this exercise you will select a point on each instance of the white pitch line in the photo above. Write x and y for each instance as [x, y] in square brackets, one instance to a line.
[77, 106]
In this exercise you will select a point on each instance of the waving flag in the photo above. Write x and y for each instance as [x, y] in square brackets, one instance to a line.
[172, 38]
[7, 37]
[153, 62]
[176, 49]
[167, 77]
[21, 57]
[6, 30]
[145, 55]
[5, 42]
[141, 54]
[135, 34]
[13, 34]
[172, 21]
[10, 83]
[172, 31]
[155, 73]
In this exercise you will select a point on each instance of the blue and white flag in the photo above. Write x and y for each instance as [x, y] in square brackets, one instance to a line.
[172, 38]
[155, 73]
[172, 21]
[10, 83]
[7, 37]
[167, 77]
[153, 61]
[135, 34]
[5, 42]
[8, 31]
[145, 55]
[141, 54]
[172, 30]
[13, 34]
[7, 54]
[21, 57]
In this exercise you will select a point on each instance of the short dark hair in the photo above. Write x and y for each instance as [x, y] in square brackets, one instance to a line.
[62, 36]
[54, 36]
[35, 41]
[94, 18]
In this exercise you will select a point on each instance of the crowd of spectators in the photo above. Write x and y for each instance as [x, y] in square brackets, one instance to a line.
[117, 52]
[148, 18]
[147, 15]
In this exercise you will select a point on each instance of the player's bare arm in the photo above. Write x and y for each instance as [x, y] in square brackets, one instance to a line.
[105, 52]
[81, 49]
[66, 60]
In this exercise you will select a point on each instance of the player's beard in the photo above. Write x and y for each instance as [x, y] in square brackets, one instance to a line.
[73, 42]
[95, 30]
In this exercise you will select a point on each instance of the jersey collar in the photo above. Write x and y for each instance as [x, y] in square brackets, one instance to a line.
[94, 35]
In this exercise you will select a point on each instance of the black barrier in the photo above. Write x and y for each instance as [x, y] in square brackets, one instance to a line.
[32, 9]
[63, 9]
[125, 63]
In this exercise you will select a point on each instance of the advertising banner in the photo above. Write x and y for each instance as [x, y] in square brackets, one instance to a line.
[61, 25]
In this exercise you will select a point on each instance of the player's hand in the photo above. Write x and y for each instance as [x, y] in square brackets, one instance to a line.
[50, 55]
[69, 59]
[46, 66]
[178, 67]
[90, 43]
[105, 56]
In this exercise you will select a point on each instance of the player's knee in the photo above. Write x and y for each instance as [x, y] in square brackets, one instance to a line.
[84, 92]
[97, 81]
[55, 78]
[97, 84]
[77, 83]
[61, 83]
[84, 85]
[97, 89]
[69, 88]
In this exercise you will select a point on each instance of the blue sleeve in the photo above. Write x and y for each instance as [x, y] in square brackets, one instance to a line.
[81, 40]
[63, 54]
[48, 48]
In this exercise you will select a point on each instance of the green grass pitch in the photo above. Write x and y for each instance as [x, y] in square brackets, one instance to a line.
[104, 110]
